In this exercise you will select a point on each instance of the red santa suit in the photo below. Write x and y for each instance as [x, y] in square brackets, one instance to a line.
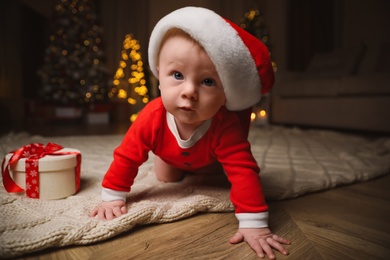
[221, 139]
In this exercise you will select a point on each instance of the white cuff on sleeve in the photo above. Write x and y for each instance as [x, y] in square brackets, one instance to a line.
[111, 195]
[252, 220]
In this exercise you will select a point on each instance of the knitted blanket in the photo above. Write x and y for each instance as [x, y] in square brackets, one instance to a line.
[293, 162]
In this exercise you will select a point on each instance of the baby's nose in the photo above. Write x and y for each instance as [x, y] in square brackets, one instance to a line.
[189, 90]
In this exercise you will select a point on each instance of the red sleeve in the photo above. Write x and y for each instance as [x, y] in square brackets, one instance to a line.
[234, 153]
[134, 149]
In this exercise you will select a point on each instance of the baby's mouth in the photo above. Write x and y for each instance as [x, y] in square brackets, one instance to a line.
[186, 108]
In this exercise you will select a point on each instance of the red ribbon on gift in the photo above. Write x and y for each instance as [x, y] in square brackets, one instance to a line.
[33, 152]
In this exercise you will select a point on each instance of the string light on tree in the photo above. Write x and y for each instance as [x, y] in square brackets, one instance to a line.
[129, 80]
[254, 23]
[74, 70]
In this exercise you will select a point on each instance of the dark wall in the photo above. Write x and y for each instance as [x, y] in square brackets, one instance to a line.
[311, 29]
[34, 40]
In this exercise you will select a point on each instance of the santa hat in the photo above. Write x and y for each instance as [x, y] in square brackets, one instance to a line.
[241, 60]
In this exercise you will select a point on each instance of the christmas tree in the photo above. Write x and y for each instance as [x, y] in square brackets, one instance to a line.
[74, 72]
[254, 23]
[129, 79]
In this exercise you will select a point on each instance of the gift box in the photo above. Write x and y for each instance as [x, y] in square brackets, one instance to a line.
[42, 172]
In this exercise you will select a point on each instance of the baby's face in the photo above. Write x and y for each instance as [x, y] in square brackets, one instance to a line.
[190, 86]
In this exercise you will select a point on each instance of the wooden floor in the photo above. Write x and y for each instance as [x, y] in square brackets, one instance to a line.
[350, 222]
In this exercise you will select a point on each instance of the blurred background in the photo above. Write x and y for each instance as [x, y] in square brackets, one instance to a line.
[80, 66]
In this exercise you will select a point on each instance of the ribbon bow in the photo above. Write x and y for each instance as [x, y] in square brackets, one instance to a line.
[33, 152]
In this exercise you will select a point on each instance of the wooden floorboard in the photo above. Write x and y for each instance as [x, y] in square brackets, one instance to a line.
[350, 222]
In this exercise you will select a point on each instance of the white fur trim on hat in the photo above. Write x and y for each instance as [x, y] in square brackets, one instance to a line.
[233, 60]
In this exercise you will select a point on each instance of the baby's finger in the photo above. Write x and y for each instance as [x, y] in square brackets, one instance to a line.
[94, 212]
[255, 245]
[102, 214]
[117, 211]
[237, 238]
[281, 239]
[275, 244]
[265, 244]
[124, 209]
[109, 214]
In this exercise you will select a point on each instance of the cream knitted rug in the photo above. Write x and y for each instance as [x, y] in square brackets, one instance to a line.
[293, 162]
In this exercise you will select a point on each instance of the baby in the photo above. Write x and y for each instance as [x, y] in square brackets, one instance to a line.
[211, 72]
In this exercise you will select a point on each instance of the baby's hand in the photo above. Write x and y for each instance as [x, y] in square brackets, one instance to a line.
[109, 210]
[261, 240]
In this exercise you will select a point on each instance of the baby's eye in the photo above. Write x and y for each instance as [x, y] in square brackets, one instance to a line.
[177, 75]
[208, 82]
